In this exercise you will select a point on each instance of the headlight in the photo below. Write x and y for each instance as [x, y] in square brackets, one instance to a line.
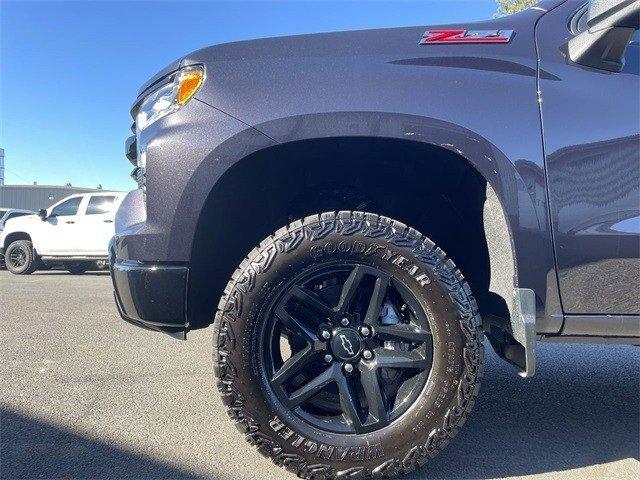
[170, 97]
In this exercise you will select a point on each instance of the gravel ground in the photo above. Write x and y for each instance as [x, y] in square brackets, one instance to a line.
[85, 395]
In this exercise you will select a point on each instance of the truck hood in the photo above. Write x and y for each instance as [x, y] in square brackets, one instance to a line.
[357, 42]
[354, 42]
[262, 80]
[17, 223]
[362, 70]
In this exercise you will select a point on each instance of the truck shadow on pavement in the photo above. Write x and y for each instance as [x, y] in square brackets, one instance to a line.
[36, 449]
[581, 409]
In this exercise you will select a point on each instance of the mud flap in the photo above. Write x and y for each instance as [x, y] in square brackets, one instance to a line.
[523, 328]
[515, 339]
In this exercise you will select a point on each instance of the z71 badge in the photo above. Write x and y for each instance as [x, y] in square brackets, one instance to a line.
[433, 37]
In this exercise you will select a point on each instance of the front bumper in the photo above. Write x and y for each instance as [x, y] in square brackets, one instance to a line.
[151, 296]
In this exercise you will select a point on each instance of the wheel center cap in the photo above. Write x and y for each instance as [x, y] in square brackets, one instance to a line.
[346, 344]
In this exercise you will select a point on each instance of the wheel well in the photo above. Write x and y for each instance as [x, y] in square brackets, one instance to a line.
[427, 187]
[12, 237]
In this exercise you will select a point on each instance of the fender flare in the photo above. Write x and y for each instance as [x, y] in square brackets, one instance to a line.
[523, 217]
[509, 207]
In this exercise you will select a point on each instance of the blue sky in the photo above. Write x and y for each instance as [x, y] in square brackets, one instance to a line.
[69, 71]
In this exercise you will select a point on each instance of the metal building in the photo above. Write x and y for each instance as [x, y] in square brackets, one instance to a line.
[35, 197]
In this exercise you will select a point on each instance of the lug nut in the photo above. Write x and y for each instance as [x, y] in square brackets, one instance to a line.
[348, 367]
[365, 331]
[344, 321]
[328, 358]
[367, 354]
[326, 334]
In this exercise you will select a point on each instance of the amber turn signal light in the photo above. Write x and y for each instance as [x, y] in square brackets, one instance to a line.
[188, 84]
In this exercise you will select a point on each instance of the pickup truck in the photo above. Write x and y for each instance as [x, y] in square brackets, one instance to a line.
[73, 233]
[355, 212]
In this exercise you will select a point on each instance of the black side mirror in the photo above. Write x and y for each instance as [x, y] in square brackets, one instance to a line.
[42, 213]
[610, 27]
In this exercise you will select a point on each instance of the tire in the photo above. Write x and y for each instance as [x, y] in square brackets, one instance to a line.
[76, 268]
[338, 433]
[20, 258]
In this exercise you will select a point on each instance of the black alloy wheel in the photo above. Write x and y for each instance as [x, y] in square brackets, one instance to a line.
[348, 349]
[18, 257]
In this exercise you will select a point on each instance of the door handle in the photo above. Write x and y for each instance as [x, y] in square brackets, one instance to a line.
[108, 221]
[70, 221]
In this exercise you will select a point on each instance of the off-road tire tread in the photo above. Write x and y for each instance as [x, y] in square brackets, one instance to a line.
[346, 223]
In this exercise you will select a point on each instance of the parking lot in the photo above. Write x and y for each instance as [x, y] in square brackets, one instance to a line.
[85, 395]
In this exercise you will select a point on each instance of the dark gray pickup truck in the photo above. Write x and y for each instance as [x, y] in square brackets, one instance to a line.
[354, 212]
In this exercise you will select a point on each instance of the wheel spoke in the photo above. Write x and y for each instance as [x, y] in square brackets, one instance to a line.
[386, 358]
[314, 386]
[403, 332]
[349, 403]
[406, 296]
[377, 300]
[373, 393]
[293, 365]
[308, 298]
[350, 288]
[296, 326]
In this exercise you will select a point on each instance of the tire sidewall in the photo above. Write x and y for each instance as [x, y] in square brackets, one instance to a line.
[29, 265]
[408, 258]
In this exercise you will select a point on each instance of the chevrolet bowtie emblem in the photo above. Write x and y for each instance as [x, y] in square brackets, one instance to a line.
[346, 344]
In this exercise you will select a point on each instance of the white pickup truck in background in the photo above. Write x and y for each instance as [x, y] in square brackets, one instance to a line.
[73, 233]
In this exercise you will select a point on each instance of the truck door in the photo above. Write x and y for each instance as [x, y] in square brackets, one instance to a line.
[591, 124]
[57, 234]
[96, 225]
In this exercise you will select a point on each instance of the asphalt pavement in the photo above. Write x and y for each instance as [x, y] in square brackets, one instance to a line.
[85, 395]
